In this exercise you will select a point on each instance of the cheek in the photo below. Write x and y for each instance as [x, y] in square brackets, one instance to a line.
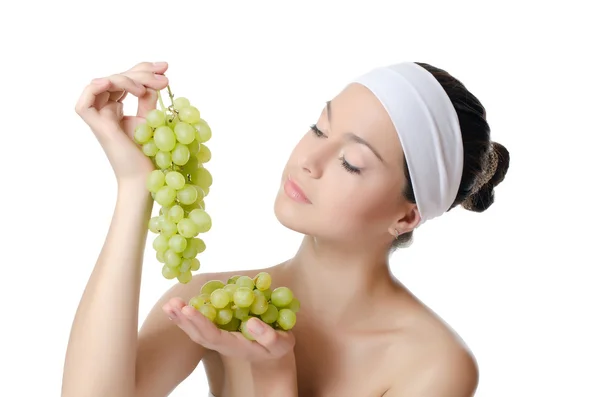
[361, 208]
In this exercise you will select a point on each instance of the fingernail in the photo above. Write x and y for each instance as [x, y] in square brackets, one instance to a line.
[256, 327]
[160, 64]
[188, 310]
[159, 76]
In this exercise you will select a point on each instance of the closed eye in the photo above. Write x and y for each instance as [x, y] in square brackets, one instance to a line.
[347, 166]
[318, 133]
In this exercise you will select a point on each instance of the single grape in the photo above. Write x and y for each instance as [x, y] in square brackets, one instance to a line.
[190, 251]
[185, 277]
[161, 243]
[203, 131]
[200, 192]
[180, 154]
[178, 243]
[241, 312]
[270, 315]
[186, 264]
[169, 272]
[160, 256]
[165, 195]
[286, 319]
[197, 205]
[154, 224]
[194, 264]
[224, 316]
[155, 180]
[209, 311]
[231, 326]
[220, 298]
[165, 139]
[172, 258]
[174, 179]
[198, 301]
[187, 228]
[202, 220]
[245, 281]
[155, 118]
[194, 148]
[163, 160]
[259, 305]
[199, 244]
[204, 154]
[187, 195]
[176, 213]
[262, 281]
[143, 133]
[172, 121]
[202, 177]
[189, 114]
[168, 227]
[281, 296]
[180, 103]
[211, 285]
[243, 297]
[232, 279]
[185, 133]
[230, 288]
[294, 305]
[267, 293]
[149, 148]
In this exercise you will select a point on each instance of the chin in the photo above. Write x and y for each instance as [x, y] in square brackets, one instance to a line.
[292, 215]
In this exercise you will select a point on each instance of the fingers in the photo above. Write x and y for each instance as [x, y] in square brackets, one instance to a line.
[155, 67]
[277, 343]
[115, 85]
[154, 81]
[199, 328]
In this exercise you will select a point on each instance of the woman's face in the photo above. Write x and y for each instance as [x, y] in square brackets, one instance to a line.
[349, 168]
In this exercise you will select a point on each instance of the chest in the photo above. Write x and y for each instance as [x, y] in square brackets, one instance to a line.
[333, 364]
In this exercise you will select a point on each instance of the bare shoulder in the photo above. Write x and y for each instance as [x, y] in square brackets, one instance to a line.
[443, 363]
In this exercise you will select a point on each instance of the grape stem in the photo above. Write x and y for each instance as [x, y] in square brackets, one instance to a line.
[160, 100]
[171, 108]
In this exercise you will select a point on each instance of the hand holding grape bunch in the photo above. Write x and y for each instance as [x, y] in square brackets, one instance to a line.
[101, 107]
[244, 317]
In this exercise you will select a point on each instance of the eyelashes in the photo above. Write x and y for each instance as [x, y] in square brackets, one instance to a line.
[347, 166]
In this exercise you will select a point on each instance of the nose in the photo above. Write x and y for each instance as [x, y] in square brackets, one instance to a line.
[313, 162]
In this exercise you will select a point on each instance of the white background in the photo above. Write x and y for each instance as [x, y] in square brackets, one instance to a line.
[517, 282]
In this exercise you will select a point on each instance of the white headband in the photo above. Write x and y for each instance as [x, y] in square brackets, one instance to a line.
[429, 132]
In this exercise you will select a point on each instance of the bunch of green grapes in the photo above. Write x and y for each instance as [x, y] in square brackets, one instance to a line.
[174, 138]
[230, 305]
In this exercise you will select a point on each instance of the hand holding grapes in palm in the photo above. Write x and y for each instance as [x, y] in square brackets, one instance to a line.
[258, 342]
[243, 318]
[101, 107]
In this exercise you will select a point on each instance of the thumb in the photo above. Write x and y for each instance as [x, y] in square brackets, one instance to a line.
[277, 343]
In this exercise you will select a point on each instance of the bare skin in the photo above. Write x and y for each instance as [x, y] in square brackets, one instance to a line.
[359, 332]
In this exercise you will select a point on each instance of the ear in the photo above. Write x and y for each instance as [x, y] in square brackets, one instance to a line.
[406, 222]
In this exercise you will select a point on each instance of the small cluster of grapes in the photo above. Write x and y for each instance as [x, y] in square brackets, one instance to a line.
[174, 138]
[231, 305]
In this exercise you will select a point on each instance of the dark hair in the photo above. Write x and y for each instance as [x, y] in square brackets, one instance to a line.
[485, 161]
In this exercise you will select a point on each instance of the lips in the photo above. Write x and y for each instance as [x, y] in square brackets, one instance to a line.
[294, 191]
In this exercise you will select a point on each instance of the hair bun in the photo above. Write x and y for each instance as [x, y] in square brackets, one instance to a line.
[495, 169]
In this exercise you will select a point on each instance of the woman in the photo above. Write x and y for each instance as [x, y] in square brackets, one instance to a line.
[397, 147]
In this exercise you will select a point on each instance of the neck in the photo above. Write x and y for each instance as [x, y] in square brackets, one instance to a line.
[339, 282]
